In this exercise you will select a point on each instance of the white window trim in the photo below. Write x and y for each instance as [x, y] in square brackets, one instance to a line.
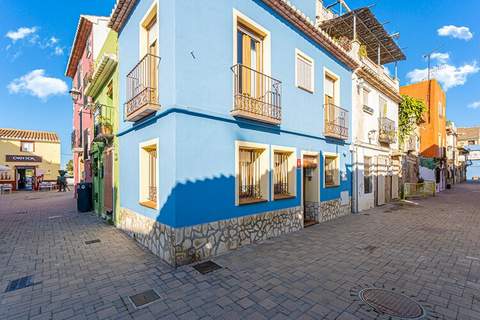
[336, 88]
[267, 65]
[332, 154]
[264, 166]
[304, 56]
[157, 167]
[314, 154]
[292, 169]
[142, 32]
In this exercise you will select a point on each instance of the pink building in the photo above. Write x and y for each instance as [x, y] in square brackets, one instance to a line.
[89, 38]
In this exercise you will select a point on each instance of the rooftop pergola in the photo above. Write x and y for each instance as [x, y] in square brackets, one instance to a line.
[361, 24]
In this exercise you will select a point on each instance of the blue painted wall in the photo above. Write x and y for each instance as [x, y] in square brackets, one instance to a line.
[194, 126]
[473, 170]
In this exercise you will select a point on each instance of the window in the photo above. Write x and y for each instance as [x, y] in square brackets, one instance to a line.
[89, 47]
[366, 93]
[252, 173]
[79, 76]
[304, 71]
[27, 146]
[471, 142]
[283, 169]
[329, 90]
[149, 46]
[367, 175]
[383, 107]
[149, 174]
[331, 173]
[440, 109]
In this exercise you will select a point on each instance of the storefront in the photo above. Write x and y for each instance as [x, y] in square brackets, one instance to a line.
[33, 158]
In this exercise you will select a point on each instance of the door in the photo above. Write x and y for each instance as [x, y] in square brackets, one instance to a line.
[310, 187]
[152, 49]
[381, 171]
[250, 57]
[108, 181]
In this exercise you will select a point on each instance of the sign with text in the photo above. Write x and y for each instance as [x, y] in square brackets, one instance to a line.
[19, 158]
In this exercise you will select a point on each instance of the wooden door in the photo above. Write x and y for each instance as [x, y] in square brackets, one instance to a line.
[108, 180]
[250, 57]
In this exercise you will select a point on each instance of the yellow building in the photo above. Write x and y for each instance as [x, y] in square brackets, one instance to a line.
[32, 156]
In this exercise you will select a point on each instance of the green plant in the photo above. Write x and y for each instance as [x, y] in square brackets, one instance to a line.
[410, 115]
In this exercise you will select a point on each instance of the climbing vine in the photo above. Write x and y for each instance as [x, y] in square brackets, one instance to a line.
[409, 115]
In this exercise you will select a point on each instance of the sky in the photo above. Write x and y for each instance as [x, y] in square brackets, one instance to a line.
[36, 38]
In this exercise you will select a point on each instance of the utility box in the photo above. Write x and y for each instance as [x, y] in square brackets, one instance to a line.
[84, 197]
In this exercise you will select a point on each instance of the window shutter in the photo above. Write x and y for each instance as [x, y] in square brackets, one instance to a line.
[304, 73]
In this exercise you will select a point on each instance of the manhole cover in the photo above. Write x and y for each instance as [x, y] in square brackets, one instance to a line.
[392, 303]
[144, 298]
[206, 267]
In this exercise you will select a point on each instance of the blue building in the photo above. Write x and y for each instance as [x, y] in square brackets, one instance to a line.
[473, 162]
[234, 123]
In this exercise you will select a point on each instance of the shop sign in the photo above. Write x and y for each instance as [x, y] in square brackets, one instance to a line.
[15, 158]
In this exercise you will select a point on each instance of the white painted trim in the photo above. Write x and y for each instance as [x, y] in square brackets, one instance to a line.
[337, 160]
[292, 167]
[264, 166]
[306, 57]
[142, 145]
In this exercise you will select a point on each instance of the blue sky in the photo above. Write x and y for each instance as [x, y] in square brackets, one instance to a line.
[36, 37]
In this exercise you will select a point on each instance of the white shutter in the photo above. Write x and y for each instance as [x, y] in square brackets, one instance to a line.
[304, 73]
[329, 87]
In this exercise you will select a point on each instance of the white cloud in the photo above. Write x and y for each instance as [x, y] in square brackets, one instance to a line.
[38, 85]
[440, 57]
[21, 33]
[58, 51]
[448, 75]
[53, 40]
[474, 105]
[463, 33]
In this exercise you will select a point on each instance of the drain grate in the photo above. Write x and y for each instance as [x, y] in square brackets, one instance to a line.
[144, 298]
[206, 267]
[19, 283]
[392, 303]
[92, 241]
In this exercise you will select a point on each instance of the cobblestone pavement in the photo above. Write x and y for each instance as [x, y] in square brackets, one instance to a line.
[430, 251]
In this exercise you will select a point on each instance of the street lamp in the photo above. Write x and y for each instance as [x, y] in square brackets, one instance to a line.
[75, 94]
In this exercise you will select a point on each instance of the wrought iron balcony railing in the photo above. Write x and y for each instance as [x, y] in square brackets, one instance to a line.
[387, 131]
[256, 95]
[336, 122]
[103, 117]
[142, 88]
[250, 193]
[76, 141]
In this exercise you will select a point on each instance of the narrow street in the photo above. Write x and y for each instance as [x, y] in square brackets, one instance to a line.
[429, 251]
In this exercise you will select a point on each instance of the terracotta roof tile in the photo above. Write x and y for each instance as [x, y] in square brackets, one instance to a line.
[28, 135]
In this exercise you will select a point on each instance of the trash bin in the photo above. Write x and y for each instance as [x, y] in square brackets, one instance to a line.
[84, 197]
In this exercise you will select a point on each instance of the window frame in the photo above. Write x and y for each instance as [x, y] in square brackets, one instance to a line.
[264, 171]
[292, 171]
[143, 29]
[22, 143]
[336, 86]
[337, 177]
[309, 60]
[144, 159]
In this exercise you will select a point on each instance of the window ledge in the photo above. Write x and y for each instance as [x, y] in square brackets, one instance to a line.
[283, 197]
[251, 201]
[332, 186]
[149, 204]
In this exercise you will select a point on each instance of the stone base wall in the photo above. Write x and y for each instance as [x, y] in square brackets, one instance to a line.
[333, 209]
[179, 246]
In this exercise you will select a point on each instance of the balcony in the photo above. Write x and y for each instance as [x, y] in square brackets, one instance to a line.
[142, 89]
[256, 96]
[103, 117]
[387, 131]
[336, 122]
[76, 141]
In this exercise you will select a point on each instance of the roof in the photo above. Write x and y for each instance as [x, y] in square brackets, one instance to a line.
[120, 13]
[370, 32]
[28, 135]
[84, 28]
[285, 9]
[468, 133]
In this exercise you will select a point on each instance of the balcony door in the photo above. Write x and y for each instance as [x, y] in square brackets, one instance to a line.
[250, 59]
[329, 92]
[152, 51]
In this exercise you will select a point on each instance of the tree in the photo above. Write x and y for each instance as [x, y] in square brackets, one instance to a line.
[410, 114]
[69, 167]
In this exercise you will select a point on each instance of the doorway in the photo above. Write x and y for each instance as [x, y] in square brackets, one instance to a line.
[25, 178]
[310, 190]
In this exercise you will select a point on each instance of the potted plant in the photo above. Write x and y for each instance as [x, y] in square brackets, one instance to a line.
[104, 126]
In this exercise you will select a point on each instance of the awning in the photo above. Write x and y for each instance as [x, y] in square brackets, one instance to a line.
[4, 168]
[102, 72]
[370, 32]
